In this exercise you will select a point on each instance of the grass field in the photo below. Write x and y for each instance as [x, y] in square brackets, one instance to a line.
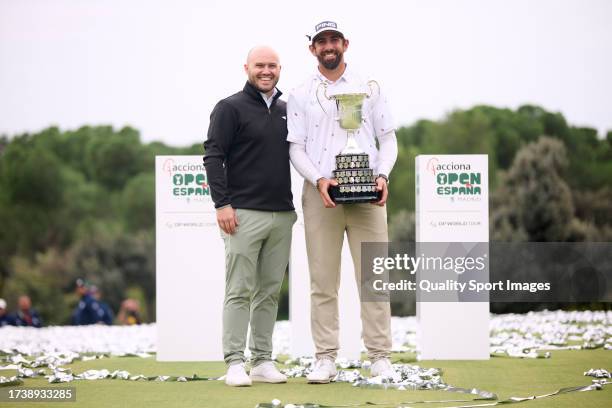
[504, 376]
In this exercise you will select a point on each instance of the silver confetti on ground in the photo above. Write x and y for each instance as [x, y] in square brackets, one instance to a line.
[530, 335]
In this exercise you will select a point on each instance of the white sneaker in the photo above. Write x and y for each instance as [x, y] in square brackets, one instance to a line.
[268, 373]
[324, 370]
[382, 367]
[236, 376]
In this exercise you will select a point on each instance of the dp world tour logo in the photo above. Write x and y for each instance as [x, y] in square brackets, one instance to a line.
[188, 179]
[454, 179]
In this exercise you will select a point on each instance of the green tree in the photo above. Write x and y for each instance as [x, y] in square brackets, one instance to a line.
[31, 176]
[116, 262]
[44, 280]
[114, 158]
[138, 203]
[538, 202]
[32, 186]
[401, 185]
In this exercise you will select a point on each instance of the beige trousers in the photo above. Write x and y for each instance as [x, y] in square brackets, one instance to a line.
[325, 229]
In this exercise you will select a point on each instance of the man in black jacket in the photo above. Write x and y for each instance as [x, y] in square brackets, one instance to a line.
[247, 165]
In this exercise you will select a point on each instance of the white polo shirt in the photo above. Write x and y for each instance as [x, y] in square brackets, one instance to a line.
[321, 133]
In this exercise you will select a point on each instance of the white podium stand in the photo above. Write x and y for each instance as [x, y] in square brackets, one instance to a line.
[448, 211]
[190, 265]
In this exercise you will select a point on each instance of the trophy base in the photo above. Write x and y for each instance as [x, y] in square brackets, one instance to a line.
[355, 197]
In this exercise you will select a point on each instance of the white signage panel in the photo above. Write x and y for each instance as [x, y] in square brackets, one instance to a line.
[452, 207]
[190, 267]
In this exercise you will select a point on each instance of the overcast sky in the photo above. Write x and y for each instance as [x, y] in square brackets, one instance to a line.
[160, 66]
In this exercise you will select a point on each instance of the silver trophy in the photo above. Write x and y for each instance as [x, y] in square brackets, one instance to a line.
[356, 180]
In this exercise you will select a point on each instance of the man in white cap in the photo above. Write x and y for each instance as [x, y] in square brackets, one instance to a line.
[316, 139]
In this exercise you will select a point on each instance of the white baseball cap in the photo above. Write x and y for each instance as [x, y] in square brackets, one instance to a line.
[322, 27]
[2, 304]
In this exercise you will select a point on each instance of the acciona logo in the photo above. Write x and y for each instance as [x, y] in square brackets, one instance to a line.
[434, 166]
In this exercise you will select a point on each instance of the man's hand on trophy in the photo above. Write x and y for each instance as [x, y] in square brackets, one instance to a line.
[323, 185]
[381, 185]
[227, 219]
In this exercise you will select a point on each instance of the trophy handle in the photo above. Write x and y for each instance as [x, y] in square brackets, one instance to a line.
[324, 86]
[374, 88]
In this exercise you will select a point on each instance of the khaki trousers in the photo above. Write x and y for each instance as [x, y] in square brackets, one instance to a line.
[325, 229]
[256, 258]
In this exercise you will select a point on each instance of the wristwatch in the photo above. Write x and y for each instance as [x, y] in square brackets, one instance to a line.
[383, 176]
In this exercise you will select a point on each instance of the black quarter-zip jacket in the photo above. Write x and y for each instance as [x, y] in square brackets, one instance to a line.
[247, 153]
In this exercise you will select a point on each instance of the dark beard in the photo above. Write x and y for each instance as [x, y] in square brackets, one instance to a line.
[331, 65]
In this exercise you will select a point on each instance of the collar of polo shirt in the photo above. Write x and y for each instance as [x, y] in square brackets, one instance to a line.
[346, 84]
[347, 75]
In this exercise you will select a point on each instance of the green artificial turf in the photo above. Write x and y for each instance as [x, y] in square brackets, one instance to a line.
[502, 375]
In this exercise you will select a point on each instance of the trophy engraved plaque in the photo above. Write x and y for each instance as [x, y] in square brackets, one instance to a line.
[356, 180]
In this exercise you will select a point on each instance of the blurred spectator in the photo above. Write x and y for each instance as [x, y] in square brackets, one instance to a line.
[105, 313]
[130, 312]
[26, 315]
[5, 318]
[89, 310]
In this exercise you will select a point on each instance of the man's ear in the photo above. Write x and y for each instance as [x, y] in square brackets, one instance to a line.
[312, 50]
[346, 44]
[246, 68]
